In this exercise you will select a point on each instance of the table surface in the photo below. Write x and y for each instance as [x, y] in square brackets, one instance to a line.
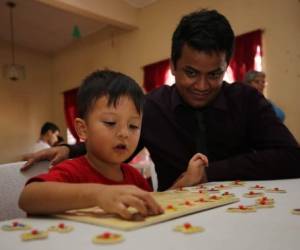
[268, 228]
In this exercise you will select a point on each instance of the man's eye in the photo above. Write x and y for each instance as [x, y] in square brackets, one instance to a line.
[190, 73]
[109, 124]
[215, 75]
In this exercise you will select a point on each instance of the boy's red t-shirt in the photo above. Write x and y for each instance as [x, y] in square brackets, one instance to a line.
[79, 170]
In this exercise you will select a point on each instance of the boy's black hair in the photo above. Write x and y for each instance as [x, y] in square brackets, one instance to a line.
[204, 30]
[107, 83]
[48, 126]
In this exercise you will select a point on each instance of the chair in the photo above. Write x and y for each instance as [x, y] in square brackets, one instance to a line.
[12, 182]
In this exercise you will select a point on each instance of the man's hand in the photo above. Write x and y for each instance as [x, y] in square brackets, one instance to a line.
[116, 199]
[195, 172]
[54, 155]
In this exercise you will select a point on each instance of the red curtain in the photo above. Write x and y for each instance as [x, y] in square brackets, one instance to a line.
[244, 53]
[70, 110]
[155, 74]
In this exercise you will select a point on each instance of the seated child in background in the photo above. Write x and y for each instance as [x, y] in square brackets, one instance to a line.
[48, 137]
[109, 106]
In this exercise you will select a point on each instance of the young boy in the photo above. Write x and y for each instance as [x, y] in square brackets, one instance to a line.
[109, 122]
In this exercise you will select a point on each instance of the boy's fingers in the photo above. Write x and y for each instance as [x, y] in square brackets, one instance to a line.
[152, 205]
[131, 201]
[138, 204]
[122, 210]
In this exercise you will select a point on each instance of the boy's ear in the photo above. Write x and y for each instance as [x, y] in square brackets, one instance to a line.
[81, 129]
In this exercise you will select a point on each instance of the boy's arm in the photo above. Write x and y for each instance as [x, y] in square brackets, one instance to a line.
[195, 173]
[56, 197]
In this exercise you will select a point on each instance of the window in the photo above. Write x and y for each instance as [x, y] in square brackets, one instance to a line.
[155, 74]
[70, 138]
[170, 78]
[258, 59]
[247, 54]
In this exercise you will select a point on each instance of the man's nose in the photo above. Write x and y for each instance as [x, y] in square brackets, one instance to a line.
[201, 83]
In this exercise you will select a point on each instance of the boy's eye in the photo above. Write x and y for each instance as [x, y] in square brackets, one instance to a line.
[110, 124]
[132, 126]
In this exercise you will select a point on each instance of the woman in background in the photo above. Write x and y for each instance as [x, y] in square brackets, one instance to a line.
[257, 79]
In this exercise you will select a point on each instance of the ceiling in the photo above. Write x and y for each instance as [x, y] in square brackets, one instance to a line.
[47, 25]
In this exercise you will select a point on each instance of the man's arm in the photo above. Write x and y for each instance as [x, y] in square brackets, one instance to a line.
[54, 154]
[62, 152]
[265, 164]
[273, 151]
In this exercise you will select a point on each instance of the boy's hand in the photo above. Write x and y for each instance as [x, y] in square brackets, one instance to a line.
[116, 199]
[195, 172]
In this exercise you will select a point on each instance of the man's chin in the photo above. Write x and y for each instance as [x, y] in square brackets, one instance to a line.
[197, 104]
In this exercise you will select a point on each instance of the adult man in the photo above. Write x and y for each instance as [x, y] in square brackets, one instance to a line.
[233, 124]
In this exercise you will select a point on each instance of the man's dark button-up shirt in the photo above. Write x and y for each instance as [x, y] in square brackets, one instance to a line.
[244, 139]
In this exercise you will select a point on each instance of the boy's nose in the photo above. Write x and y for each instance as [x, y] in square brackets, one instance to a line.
[123, 133]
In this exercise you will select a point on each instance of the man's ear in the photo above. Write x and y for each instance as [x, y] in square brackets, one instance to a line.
[172, 67]
[81, 129]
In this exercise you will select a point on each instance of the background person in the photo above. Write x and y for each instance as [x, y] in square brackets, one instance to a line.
[48, 136]
[257, 79]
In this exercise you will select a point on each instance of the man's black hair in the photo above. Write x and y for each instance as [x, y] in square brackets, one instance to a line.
[107, 83]
[204, 30]
[49, 126]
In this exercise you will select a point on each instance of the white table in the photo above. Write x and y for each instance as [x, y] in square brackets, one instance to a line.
[269, 228]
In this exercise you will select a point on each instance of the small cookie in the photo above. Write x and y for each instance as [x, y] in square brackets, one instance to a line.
[253, 194]
[202, 191]
[242, 209]
[213, 190]
[107, 238]
[61, 228]
[221, 186]
[257, 187]
[214, 198]
[34, 235]
[237, 183]
[202, 200]
[14, 226]
[227, 194]
[201, 186]
[188, 228]
[170, 207]
[187, 203]
[276, 190]
[264, 200]
[264, 204]
[296, 211]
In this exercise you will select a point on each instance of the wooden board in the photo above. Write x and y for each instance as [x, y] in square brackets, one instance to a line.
[184, 202]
